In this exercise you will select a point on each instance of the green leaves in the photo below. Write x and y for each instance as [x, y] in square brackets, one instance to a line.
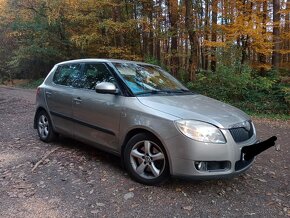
[244, 89]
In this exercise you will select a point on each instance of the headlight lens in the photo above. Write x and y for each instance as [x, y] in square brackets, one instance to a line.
[200, 131]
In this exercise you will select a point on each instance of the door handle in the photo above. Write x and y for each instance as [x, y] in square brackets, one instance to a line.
[77, 100]
[48, 94]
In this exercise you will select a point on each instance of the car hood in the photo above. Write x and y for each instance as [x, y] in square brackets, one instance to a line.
[196, 107]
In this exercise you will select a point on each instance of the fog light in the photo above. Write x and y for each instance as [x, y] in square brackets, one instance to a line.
[212, 165]
[200, 165]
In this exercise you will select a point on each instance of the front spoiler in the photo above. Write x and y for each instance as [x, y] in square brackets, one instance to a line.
[249, 152]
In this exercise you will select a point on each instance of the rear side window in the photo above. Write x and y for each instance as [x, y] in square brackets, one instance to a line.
[68, 75]
[95, 73]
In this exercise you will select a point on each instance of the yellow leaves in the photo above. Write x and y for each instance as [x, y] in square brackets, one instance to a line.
[2, 4]
[258, 65]
[124, 52]
[259, 1]
[90, 5]
[285, 35]
[250, 27]
[118, 27]
[284, 51]
[4, 12]
[144, 22]
[264, 49]
[214, 44]
[85, 40]
[113, 51]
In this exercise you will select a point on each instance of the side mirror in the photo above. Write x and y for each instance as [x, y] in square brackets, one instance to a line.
[106, 88]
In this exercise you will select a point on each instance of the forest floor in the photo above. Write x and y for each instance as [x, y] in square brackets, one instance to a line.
[80, 181]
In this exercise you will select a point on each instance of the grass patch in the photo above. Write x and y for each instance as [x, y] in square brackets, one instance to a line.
[283, 117]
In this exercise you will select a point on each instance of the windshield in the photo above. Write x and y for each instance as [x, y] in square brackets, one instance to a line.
[147, 79]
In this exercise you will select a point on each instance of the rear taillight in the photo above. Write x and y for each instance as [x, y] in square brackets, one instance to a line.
[38, 91]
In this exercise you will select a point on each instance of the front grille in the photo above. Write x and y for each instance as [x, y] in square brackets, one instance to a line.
[241, 134]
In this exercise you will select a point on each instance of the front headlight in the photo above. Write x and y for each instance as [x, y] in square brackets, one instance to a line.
[200, 131]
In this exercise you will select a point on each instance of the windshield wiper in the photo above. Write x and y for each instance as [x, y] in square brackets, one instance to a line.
[165, 91]
[151, 92]
[178, 91]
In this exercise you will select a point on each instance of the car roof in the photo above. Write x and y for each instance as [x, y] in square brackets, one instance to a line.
[94, 60]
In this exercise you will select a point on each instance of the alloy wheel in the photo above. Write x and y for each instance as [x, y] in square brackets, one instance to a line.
[147, 159]
[43, 126]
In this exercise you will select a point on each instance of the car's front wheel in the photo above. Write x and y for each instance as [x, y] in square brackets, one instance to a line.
[145, 159]
[44, 127]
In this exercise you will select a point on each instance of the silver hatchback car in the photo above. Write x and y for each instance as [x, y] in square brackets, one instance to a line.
[143, 114]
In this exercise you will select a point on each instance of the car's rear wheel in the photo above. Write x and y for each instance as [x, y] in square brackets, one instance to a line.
[145, 159]
[44, 127]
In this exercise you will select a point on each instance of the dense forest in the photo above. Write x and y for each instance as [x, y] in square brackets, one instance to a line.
[237, 51]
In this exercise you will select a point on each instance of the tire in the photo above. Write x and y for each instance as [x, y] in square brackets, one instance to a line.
[44, 127]
[145, 160]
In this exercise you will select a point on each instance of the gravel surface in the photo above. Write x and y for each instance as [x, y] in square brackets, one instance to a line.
[79, 181]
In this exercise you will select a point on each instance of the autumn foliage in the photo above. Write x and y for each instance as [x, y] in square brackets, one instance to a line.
[187, 37]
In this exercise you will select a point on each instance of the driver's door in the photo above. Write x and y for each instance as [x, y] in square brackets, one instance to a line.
[97, 115]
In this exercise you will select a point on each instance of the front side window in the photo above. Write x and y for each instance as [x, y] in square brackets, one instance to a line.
[144, 79]
[95, 73]
[67, 75]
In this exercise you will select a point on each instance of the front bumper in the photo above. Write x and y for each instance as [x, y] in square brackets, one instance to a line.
[185, 153]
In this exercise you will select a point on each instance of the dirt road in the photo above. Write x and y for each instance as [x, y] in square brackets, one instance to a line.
[80, 181]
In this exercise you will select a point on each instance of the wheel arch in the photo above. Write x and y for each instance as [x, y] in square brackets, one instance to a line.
[138, 130]
[36, 114]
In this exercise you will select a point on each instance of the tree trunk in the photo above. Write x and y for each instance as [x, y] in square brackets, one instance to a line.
[158, 32]
[173, 18]
[287, 30]
[192, 39]
[262, 57]
[276, 32]
[213, 34]
[117, 18]
[145, 27]
[206, 32]
[151, 34]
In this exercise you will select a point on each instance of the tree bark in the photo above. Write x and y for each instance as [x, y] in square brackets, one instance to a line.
[214, 35]
[287, 30]
[192, 39]
[151, 33]
[173, 18]
[158, 29]
[276, 32]
[206, 32]
[262, 57]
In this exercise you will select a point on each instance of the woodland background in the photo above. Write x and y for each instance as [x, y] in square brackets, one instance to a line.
[235, 51]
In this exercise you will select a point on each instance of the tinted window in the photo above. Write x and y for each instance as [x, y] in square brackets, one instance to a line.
[96, 73]
[68, 75]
